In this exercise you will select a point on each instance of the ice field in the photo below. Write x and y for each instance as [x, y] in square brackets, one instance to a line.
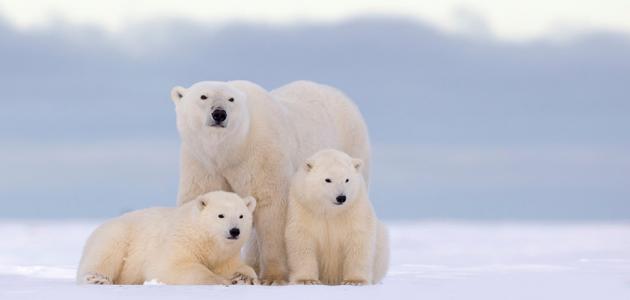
[430, 260]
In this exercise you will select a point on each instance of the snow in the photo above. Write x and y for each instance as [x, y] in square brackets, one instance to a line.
[430, 260]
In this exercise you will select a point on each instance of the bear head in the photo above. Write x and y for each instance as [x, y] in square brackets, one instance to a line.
[330, 181]
[210, 106]
[226, 215]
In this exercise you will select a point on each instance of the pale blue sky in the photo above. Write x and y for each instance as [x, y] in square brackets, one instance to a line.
[464, 125]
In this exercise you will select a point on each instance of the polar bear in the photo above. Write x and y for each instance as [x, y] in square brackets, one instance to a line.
[196, 243]
[238, 137]
[332, 235]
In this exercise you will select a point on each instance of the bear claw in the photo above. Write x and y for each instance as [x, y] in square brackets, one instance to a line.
[95, 278]
[240, 278]
[354, 282]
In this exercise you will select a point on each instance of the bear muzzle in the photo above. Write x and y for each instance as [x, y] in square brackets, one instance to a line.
[340, 199]
[234, 233]
[218, 117]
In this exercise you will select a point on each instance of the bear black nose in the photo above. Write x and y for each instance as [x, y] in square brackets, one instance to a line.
[219, 115]
[234, 232]
[341, 199]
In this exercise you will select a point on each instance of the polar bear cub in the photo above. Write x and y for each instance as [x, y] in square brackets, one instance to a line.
[332, 233]
[196, 243]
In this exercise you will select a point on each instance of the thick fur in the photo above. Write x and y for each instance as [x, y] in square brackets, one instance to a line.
[327, 241]
[265, 138]
[184, 245]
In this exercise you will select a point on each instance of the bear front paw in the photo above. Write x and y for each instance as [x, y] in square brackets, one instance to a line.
[307, 281]
[240, 278]
[354, 282]
[96, 278]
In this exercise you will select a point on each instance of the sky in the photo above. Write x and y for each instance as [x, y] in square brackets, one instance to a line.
[472, 124]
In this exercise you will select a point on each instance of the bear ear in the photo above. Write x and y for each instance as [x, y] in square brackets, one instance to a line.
[357, 163]
[201, 203]
[177, 93]
[308, 166]
[250, 202]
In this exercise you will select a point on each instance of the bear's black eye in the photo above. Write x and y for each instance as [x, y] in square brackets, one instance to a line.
[240, 217]
[231, 99]
[347, 179]
[328, 180]
[221, 216]
[204, 97]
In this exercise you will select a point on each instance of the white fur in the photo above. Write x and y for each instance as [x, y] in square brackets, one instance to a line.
[329, 242]
[266, 138]
[184, 245]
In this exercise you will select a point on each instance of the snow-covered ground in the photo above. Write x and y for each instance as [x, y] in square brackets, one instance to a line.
[430, 260]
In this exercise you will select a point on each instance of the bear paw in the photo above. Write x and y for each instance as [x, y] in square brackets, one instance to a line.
[307, 281]
[354, 282]
[240, 278]
[96, 278]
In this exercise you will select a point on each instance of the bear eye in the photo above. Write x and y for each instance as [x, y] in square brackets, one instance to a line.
[328, 180]
[347, 179]
[240, 217]
[231, 99]
[204, 97]
[221, 216]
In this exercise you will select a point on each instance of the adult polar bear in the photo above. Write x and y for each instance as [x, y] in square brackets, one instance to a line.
[238, 137]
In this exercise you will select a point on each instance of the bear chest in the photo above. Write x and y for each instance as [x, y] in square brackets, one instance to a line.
[331, 253]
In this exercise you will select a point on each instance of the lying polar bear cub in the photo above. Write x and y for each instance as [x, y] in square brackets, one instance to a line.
[332, 233]
[196, 243]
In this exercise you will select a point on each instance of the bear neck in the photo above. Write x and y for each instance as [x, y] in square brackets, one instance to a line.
[220, 151]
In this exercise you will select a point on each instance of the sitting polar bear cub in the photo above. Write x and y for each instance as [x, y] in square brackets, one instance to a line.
[332, 233]
[196, 243]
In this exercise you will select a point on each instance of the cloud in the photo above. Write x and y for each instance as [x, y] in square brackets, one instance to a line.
[526, 20]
